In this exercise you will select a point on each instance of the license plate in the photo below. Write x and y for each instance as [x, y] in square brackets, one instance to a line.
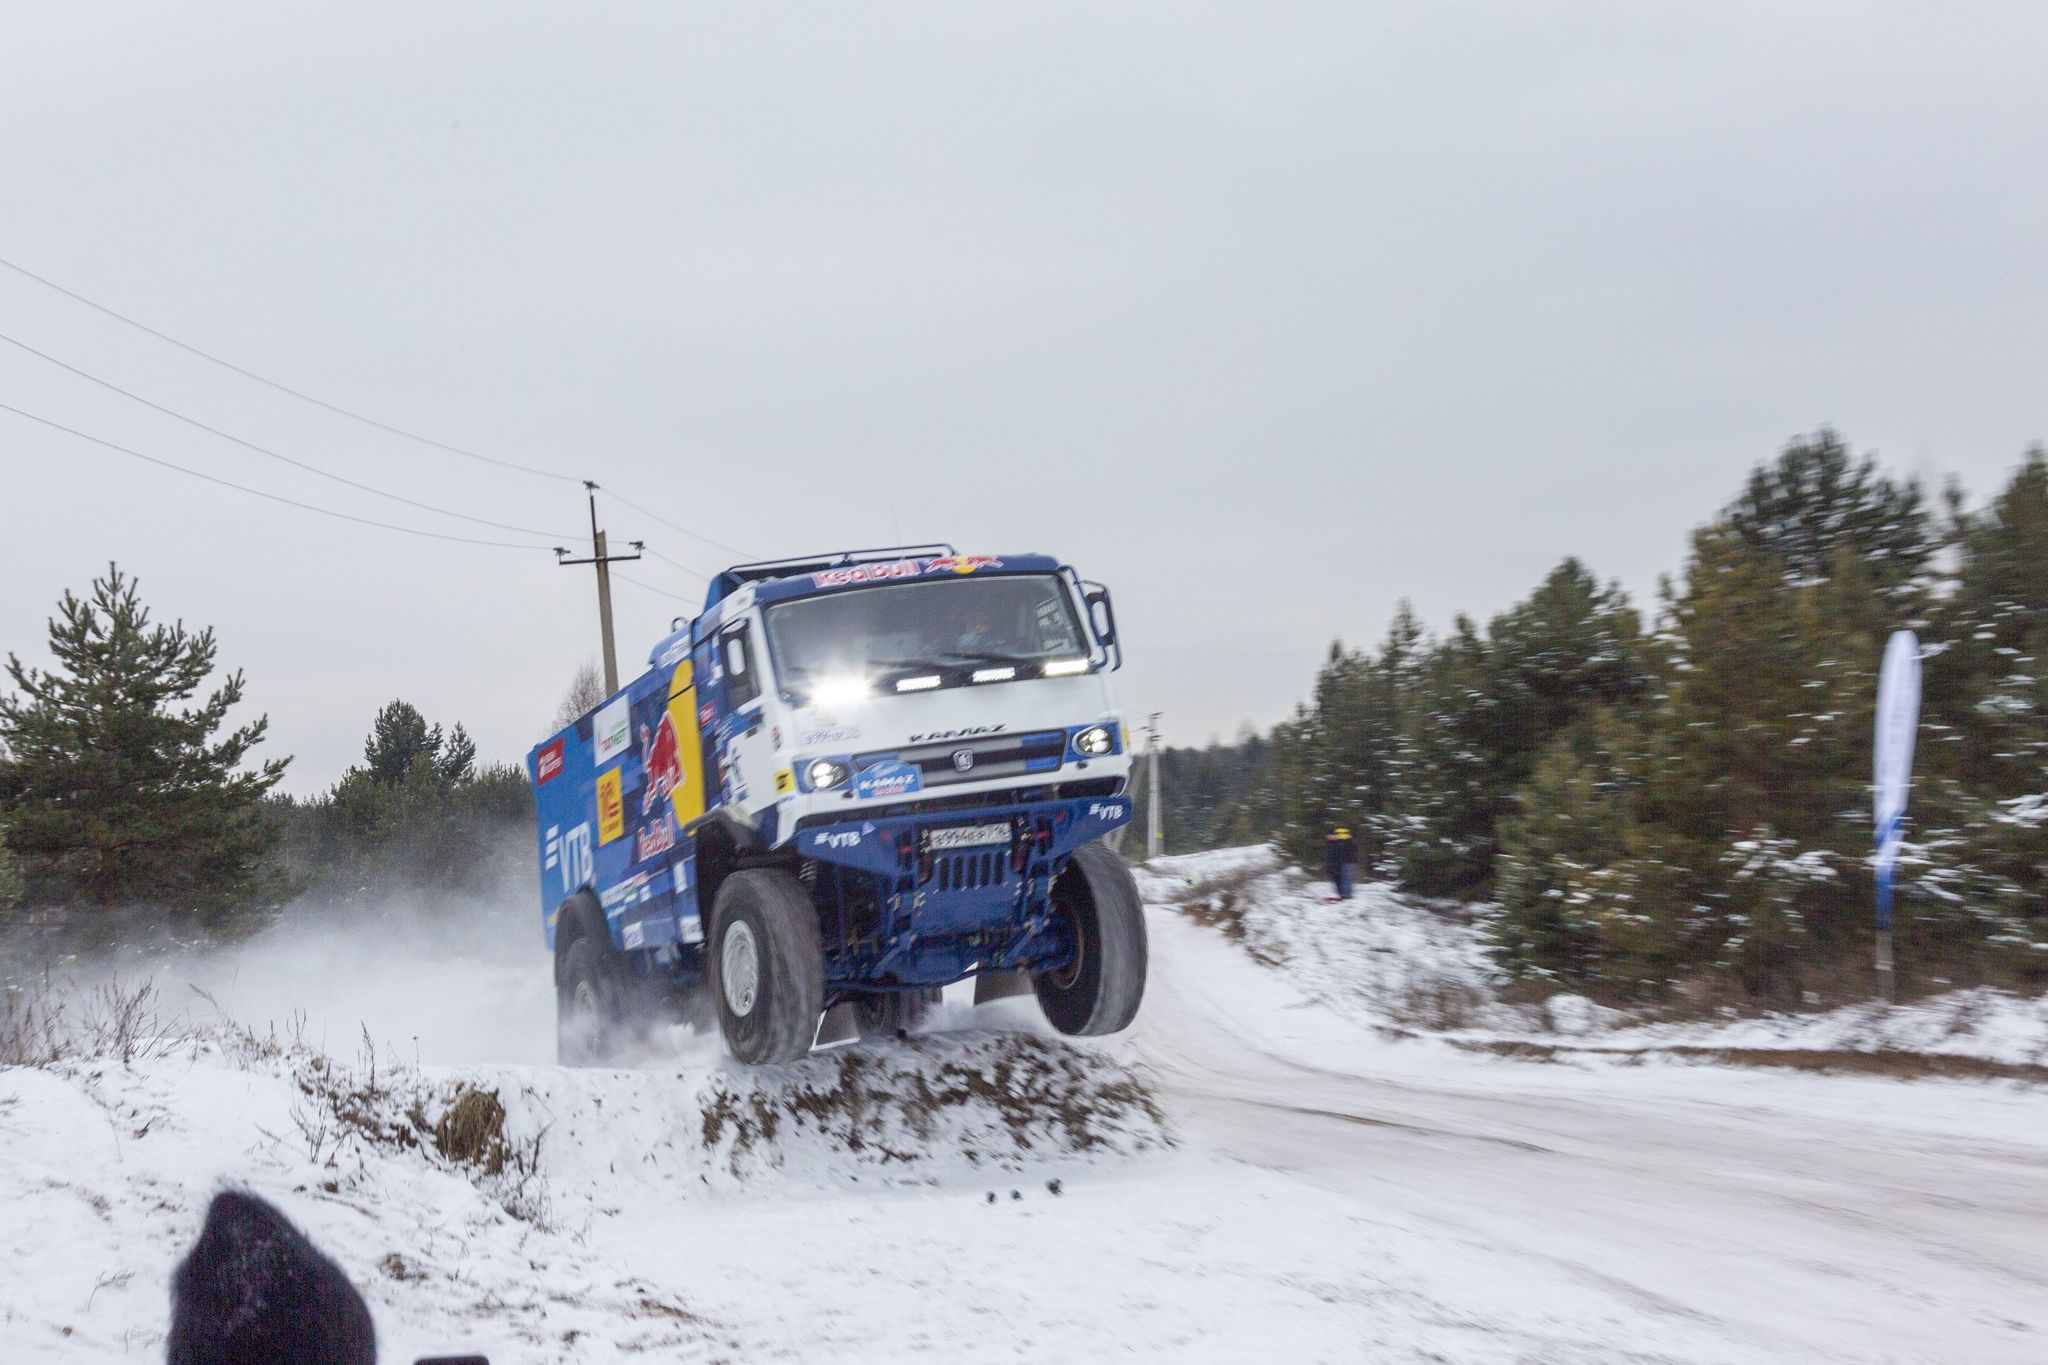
[967, 836]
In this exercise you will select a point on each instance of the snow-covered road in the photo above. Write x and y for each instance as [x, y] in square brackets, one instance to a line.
[1748, 1215]
[1336, 1194]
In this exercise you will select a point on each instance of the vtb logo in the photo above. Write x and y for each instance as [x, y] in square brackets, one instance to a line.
[571, 852]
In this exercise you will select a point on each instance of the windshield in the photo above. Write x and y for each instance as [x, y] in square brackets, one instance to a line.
[933, 626]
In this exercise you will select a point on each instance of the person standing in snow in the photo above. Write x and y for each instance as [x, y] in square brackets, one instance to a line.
[1340, 859]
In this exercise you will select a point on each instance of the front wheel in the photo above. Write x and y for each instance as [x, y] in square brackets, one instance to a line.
[1100, 989]
[767, 970]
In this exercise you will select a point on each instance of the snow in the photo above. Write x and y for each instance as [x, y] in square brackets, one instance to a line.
[1403, 965]
[1295, 1154]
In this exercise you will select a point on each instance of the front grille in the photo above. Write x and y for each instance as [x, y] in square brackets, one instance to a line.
[970, 871]
[993, 756]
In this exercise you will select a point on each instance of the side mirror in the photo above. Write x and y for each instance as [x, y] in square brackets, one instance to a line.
[1102, 616]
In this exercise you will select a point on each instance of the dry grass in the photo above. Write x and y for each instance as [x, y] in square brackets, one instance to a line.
[42, 1024]
[1220, 903]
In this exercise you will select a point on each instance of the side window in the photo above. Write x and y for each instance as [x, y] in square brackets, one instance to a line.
[742, 683]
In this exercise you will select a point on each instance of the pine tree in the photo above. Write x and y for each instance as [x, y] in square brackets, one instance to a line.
[400, 741]
[10, 880]
[114, 793]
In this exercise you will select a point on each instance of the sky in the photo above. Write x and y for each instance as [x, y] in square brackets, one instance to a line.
[1268, 316]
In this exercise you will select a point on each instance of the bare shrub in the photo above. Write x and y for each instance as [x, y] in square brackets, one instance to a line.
[42, 1024]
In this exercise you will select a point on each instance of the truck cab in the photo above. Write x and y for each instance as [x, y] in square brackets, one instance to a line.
[852, 779]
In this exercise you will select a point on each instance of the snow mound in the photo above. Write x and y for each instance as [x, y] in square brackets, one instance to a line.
[928, 1103]
[1407, 966]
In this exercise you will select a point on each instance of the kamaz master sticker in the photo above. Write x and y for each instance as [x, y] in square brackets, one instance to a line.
[888, 778]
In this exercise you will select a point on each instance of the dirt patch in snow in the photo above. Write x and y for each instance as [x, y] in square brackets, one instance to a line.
[983, 1099]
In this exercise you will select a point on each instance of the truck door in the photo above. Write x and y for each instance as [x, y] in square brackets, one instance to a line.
[746, 751]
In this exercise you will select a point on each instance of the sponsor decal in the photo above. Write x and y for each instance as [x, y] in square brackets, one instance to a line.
[1108, 810]
[785, 781]
[866, 573]
[658, 837]
[615, 899]
[682, 875]
[962, 564]
[674, 654]
[570, 853]
[611, 808]
[829, 734]
[661, 753]
[888, 778]
[826, 838]
[612, 731]
[706, 714]
[691, 929]
[548, 765]
[965, 732]
[635, 935]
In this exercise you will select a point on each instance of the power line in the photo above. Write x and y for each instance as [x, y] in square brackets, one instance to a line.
[349, 413]
[264, 450]
[677, 564]
[285, 388]
[694, 535]
[273, 497]
[649, 587]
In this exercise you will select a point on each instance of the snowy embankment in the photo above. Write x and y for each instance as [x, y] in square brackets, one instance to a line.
[1277, 1162]
[1408, 966]
[467, 1200]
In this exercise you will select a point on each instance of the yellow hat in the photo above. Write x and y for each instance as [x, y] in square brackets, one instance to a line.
[1343, 833]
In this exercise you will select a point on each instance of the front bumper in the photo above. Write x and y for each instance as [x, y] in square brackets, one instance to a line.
[948, 908]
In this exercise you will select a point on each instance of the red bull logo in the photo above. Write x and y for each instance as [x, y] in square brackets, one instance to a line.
[663, 756]
[865, 573]
[962, 564]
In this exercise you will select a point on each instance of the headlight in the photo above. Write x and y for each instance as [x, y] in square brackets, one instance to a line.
[824, 774]
[1094, 742]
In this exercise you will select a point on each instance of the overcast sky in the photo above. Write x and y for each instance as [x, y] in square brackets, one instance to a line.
[1267, 315]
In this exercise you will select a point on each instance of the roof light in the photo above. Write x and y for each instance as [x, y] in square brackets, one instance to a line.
[994, 674]
[1060, 668]
[920, 684]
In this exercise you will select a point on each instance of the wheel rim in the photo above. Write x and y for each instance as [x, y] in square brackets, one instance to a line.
[1064, 977]
[583, 1016]
[739, 968]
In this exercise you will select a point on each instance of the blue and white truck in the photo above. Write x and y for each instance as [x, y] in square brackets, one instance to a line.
[853, 780]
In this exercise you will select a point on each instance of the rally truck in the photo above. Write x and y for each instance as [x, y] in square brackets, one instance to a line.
[853, 780]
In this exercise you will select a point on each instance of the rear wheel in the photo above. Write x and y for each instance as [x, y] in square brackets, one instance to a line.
[767, 970]
[590, 1005]
[1100, 989]
[892, 1014]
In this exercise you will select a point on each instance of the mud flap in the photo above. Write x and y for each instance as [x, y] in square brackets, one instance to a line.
[1000, 986]
[837, 1025]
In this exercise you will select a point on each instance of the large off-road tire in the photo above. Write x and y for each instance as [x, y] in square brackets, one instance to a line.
[1100, 990]
[767, 970]
[592, 1004]
[892, 1014]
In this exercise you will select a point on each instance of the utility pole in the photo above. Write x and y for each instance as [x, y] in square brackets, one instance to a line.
[604, 561]
[1155, 838]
